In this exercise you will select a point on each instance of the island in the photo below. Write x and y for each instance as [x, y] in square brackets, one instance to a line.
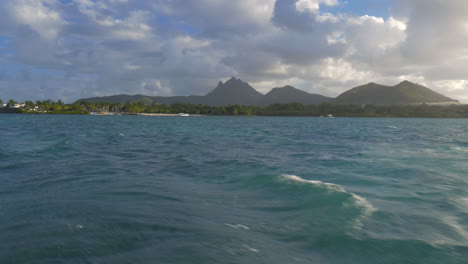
[237, 98]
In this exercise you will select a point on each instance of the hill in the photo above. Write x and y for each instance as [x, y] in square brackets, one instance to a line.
[119, 98]
[233, 92]
[289, 94]
[236, 92]
[403, 93]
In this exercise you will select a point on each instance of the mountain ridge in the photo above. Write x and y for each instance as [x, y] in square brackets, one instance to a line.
[237, 92]
[233, 91]
[403, 93]
[289, 94]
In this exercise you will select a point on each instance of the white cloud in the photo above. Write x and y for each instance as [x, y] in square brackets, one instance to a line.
[42, 19]
[313, 5]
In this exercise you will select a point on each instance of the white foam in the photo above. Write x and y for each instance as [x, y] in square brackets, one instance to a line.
[250, 248]
[459, 229]
[329, 186]
[363, 202]
[367, 208]
[237, 226]
[460, 149]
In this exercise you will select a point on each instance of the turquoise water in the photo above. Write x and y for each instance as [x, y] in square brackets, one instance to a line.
[136, 189]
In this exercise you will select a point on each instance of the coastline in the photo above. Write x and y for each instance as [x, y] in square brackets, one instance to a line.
[159, 114]
[292, 110]
[139, 114]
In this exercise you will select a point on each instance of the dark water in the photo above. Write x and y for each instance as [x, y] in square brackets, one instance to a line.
[134, 189]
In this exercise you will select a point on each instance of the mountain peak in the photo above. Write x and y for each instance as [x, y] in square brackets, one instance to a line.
[290, 94]
[234, 91]
[233, 80]
[405, 82]
[405, 92]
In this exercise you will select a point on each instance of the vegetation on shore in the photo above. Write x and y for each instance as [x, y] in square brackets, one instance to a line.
[43, 107]
[290, 109]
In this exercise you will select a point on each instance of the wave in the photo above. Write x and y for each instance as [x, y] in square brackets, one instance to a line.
[366, 207]
[237, 226]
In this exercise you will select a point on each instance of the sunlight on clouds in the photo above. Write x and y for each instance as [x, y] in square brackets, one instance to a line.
[365, 19]
[395, 23]
[416, 78]
[374, 41]
[307, 5]
[452, 85]
[152, 86]
[313, 5]
[339, 69]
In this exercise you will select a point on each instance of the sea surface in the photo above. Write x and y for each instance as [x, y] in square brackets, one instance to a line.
[143, 189]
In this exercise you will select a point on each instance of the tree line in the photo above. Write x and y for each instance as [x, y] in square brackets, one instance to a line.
[47, 106]
[290, 109]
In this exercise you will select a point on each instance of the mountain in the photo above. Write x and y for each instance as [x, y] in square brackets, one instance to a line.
[403, 93]
[233, 92]
[119, 98]
[124, 98]
[289, 94]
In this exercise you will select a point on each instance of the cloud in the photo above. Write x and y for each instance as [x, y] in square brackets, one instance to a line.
[214, 18]
[290, 16]
[36, 15]
[80, 48]
[436, 30]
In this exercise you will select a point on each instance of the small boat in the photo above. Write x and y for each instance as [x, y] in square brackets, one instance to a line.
[183, 114]
[330, 115]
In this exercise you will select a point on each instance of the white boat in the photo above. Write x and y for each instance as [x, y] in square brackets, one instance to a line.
[183, 114]
[330, 115]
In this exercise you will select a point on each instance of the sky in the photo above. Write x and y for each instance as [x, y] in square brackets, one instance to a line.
[71, 49]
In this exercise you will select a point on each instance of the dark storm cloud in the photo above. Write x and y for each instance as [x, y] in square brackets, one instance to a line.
[287, 15]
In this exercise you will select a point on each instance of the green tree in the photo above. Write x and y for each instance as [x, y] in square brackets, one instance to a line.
[58, 106]
[136, 107]
[12, 102]
[76, 106]
[29, 104]
[45, 105]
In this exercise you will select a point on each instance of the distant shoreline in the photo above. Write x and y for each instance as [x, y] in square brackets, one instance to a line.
[197, 115]
[140, 114]
[154, 114]
[290, 109]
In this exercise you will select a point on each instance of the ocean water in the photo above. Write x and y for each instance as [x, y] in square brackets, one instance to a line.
[138, 189]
